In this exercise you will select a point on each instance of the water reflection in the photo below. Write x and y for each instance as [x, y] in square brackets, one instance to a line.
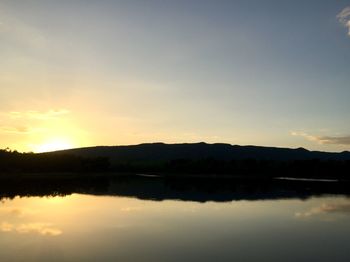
[326, 208]
[158, 188]
[40, 228]
[123, 220]
[109, 228]
[105, 228]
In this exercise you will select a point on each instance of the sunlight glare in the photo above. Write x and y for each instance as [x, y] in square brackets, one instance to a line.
[54, 145]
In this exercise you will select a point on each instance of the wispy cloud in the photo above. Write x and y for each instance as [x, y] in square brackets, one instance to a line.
[344, 18]
[340, 140]
[14, 129]
[305, 135]
[33, 114]
[330, 140]
[26, 122]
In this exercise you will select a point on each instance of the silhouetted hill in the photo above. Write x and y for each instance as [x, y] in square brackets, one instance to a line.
[199, 159]
[195, 151]
[218, 159]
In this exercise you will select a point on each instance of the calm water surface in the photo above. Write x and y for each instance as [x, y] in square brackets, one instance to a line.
[82, 227]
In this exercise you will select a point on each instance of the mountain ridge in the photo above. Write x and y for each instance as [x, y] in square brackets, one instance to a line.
[159, 151]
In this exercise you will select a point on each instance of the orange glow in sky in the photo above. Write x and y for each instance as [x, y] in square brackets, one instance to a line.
[141, 72]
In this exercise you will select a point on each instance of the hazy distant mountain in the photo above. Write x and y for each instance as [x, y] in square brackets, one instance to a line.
[166, 152]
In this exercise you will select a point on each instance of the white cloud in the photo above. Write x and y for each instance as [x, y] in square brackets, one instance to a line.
[344, 18]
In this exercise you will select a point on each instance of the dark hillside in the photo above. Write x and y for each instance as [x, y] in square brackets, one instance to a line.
[195, 151]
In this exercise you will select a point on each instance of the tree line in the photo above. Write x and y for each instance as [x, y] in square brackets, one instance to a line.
[13, 161]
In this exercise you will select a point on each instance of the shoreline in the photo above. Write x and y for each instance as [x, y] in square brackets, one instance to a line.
[113, 174]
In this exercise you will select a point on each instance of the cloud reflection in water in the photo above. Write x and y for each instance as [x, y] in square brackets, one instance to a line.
[45, 229]
[325, 208]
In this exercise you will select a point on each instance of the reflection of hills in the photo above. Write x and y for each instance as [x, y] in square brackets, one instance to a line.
[199, 190]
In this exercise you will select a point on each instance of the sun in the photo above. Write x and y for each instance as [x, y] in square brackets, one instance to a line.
[54, 145]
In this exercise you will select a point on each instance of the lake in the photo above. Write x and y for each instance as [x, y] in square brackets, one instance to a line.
[190, 225]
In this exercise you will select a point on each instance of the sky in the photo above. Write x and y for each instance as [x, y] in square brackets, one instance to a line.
[84, 73]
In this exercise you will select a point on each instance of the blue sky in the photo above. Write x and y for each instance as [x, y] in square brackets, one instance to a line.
[272, 73]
